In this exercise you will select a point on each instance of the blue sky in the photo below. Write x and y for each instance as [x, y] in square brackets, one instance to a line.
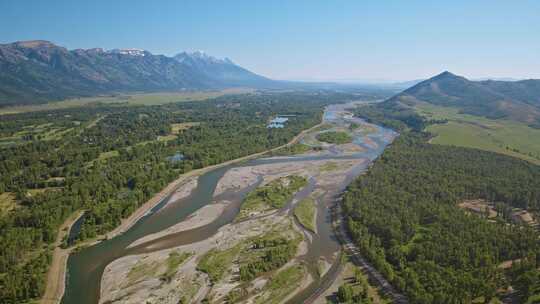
[308, 40]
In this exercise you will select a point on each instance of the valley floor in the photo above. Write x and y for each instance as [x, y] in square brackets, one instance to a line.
[146, 274]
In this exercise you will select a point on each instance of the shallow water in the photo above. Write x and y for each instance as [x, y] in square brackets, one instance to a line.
[86, 267]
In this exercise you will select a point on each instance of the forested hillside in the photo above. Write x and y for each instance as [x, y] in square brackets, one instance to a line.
[403, 214]
[108, 160]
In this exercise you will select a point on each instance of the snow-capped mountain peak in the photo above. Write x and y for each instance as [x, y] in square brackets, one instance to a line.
[131, 52]
[200, 57]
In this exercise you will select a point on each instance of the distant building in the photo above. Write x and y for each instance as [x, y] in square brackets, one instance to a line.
[278, 122]
[176, 158]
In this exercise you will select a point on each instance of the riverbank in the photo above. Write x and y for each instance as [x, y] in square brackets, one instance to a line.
[56, 276]
[201, 217]
[121, 283]
[149, 205]
[54, 290]
[110, 273]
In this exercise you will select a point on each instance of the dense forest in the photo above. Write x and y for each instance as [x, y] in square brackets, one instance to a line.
[403, 215]
[110, 159]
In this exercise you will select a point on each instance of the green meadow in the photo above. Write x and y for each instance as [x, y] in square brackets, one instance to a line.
[131, 99]
[501, 136]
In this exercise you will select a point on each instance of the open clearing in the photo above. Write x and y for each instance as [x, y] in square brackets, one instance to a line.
[131, 99]
[480, 207]
[46, 131]
[179, 127]
[487, 209]
[501, 136]
[7, 202]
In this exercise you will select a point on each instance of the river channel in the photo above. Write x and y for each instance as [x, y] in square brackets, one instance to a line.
[86, 267]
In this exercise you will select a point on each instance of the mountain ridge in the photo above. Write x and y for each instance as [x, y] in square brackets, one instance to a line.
[38, 71]
[515, 100]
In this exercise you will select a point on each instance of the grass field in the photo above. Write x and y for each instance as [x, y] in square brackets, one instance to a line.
[273, 195]
[107, 155]
[501, 136]
[142, 270]
[131, 99]
[174, 260]
[167, 138]
[215, 263]
[282, 284]
[305, 213]
[179, 127]
[329, 166]
[335, 137]
[42, 132]
[7, 202]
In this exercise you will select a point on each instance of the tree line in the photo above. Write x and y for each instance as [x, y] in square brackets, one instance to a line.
[403, 215]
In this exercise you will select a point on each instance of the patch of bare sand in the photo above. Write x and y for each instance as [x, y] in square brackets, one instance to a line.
[523, 217]
[185, 190]
[116, 284]
[479, 207]
[199, 218]
[350, 148]
[487, 209]
[241, 177]
[338, 173]
[508, 264]
[370, 142]
[236, 179]
[143, 280]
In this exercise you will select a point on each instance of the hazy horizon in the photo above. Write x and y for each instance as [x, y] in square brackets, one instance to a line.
[303, 40]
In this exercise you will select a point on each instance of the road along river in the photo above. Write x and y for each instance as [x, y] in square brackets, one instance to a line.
[200, 217]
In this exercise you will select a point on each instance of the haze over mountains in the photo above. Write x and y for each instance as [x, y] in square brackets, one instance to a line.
[38, 71]
[516, 100]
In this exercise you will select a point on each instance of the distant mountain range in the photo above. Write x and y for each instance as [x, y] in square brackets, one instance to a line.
[516, 100]
[38, 71]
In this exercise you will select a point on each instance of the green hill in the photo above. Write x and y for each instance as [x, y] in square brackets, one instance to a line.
[517, 101]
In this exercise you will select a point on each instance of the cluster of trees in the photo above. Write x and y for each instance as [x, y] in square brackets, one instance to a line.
[236, 295]
[392, 115]
[271, 254]
[272, 195]
[111, 188]
[403, 215]
[354, 291]
[293, 149]
[276, 194]
[334, 137]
